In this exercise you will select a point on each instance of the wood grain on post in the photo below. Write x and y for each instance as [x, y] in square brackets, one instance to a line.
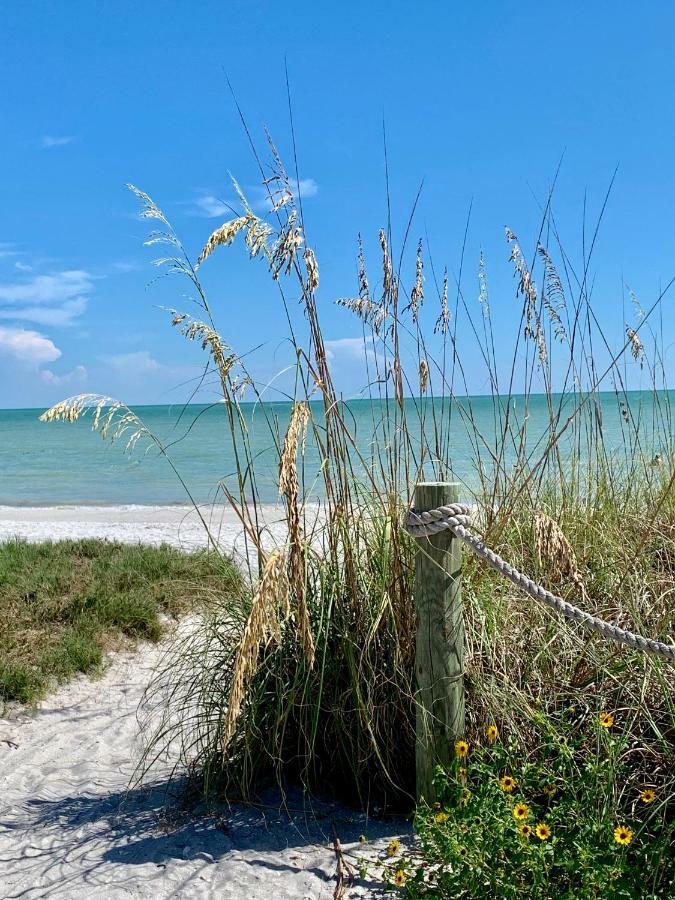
[439, 659]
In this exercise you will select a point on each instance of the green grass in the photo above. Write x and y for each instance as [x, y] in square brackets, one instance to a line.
[62, 605]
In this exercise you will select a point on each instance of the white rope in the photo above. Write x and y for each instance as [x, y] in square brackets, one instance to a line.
[456, 518]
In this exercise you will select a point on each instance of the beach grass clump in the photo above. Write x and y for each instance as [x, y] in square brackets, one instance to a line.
[312, 677]
[63, 604]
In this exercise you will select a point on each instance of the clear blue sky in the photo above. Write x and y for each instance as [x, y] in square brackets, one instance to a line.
[480, 100]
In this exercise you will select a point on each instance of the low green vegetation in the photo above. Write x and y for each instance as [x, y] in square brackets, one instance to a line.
[572, 814]
[62, 605]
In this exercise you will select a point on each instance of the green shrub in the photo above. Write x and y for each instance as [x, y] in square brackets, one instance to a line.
[579, 815]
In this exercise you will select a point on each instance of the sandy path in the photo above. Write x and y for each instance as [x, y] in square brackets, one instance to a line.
[68, 829]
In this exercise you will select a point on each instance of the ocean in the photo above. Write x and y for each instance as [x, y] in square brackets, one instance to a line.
[50, 464]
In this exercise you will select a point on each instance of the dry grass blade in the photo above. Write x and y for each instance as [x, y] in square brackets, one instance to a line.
[263, 624]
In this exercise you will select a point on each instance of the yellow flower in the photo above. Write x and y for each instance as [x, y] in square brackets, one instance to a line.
[440, 818]
[466, 796]
[623, 835]
[507, 783]
[394, 847]
[521, 811]
[543, 831]
[550, 790]
[525, 830]
[492, 733]
[648, 796]
[461, 749]
[606, 720]
[400, 878]
[461, 772]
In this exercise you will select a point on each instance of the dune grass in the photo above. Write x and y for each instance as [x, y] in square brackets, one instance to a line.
[63, 604]
[312, 679]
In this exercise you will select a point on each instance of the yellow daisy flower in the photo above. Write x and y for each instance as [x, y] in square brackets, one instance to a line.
[461, 749]
[466, 796]
[400, 878]
[543, 831]
[461, 772]
[623, 835]
[525, 830]
[606, 720]
[521, 811]
[441, 817]
[507, 783]
[492, 733]
[549, 790]
[394, 847]
[648, 795]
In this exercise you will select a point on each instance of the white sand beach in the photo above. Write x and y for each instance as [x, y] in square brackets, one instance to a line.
[179, 526]
[68, 828]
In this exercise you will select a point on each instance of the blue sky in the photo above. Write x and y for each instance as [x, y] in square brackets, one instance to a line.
[480, 100]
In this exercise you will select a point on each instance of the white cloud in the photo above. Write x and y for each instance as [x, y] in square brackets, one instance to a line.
[57, 316]
[28, 346]
[348, 348]
[22, 267]
[211, 207]
[78, 375]
[306, 187]
[7, 250]
[138, 362]
[48, 288]
[47, 141]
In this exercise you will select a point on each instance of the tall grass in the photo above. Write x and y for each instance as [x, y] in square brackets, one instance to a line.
[312, 677]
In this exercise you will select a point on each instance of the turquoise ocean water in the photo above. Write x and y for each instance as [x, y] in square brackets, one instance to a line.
[60, 463]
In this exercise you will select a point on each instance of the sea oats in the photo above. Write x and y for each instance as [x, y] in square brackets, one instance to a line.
[223, 236]
[483, 295]
[417, 293]
[312, 269]
[552, 547]
[424, 376]
[261, 626]
[444, 318]
[636, 345]
[286, 246]
[288, 487]
[553, 297]
[149, 210]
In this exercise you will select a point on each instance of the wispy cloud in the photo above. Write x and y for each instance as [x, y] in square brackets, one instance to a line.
[138, 362]
[57, 316]
[77, 376]
[27, 346]
[209, 206]
[349, 356]
[52, 288]
[47, 141]
[8, 251]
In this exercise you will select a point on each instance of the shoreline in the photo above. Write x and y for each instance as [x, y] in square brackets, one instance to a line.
[178, 526]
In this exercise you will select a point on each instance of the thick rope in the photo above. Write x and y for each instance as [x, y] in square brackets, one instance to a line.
[456, 518]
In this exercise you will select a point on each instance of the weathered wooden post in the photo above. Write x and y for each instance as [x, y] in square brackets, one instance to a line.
[439, 660]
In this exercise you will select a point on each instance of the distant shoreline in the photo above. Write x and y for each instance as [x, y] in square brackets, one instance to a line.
[178, 526]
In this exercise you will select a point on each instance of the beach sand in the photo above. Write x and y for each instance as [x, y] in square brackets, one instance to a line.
[68, 828]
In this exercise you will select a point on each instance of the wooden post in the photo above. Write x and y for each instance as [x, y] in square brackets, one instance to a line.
[439, 659]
